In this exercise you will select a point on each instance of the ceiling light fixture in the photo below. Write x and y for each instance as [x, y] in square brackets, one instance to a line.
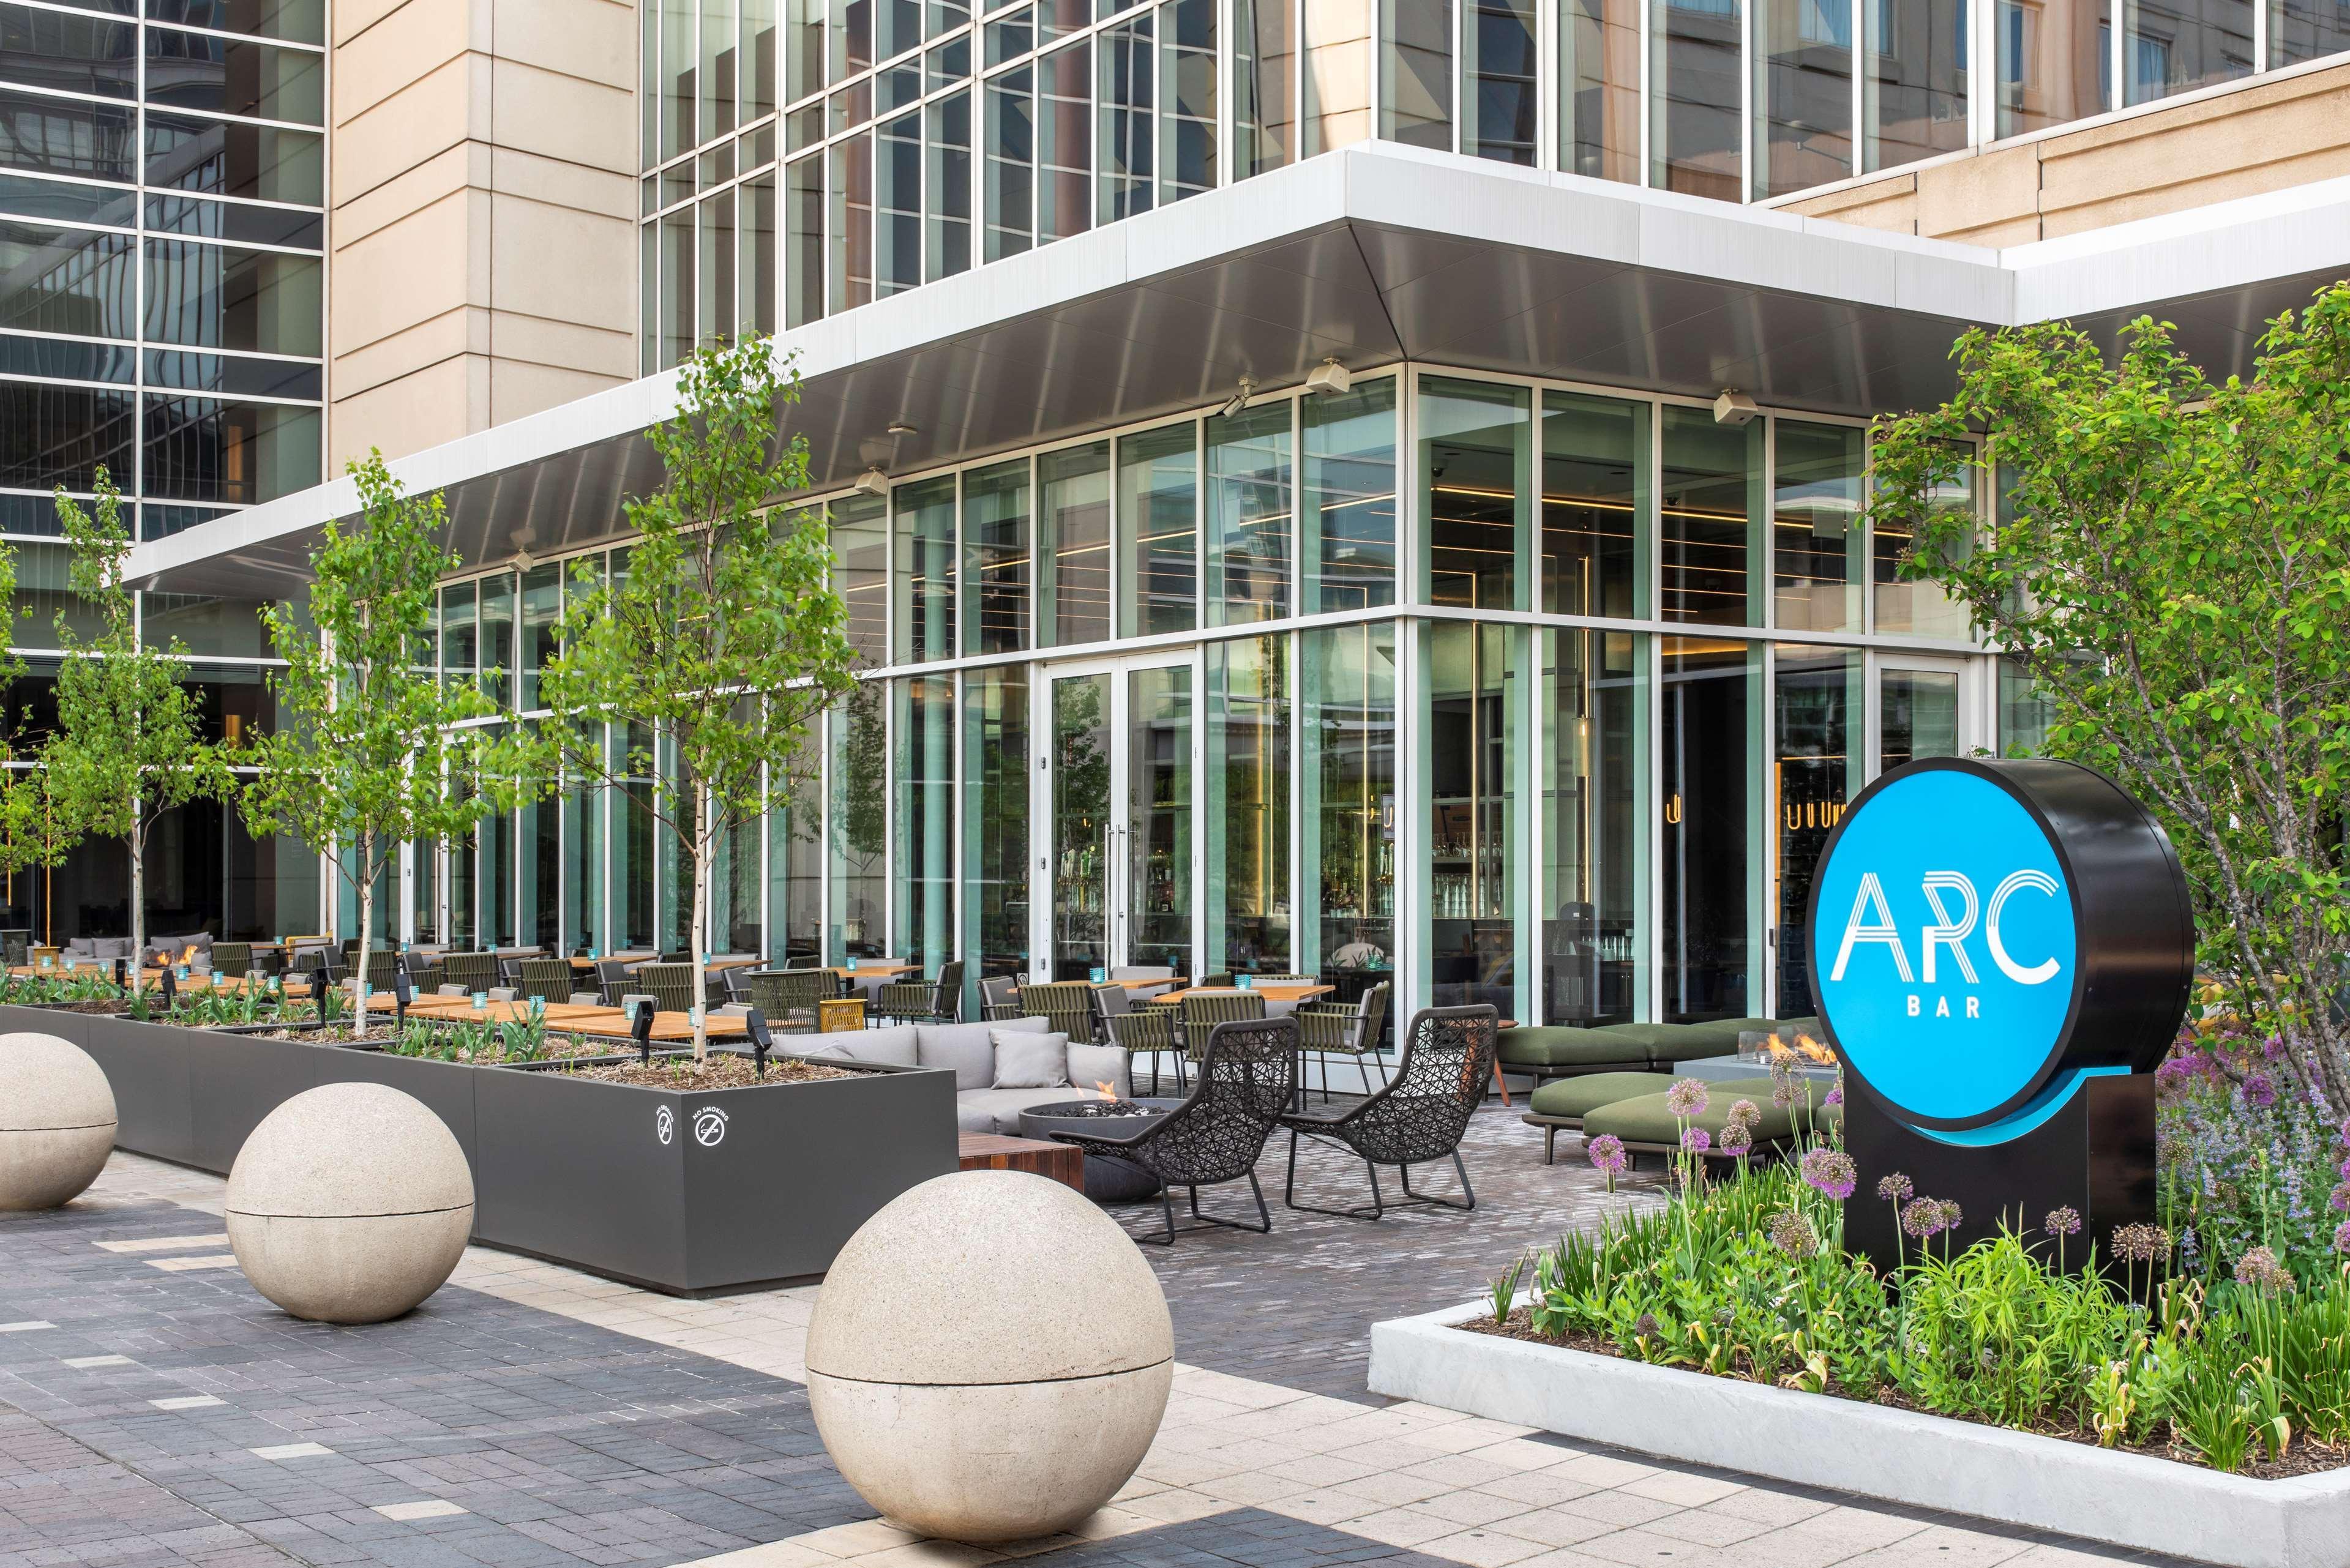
[1329, 377]
[900, 428]
[873, 482]
[1240, 400]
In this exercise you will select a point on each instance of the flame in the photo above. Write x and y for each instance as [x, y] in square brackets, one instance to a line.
[1815, 1050]
[190, 956]
[1105, 1092]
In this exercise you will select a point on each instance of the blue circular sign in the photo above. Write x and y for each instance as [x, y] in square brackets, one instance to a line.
[1984, 934]
[1953, 940]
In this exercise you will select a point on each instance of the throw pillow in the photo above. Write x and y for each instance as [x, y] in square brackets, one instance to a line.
[1027, 1061]
[1092, 1066]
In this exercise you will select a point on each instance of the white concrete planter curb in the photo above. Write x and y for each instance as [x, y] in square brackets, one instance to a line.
[1927, 1461]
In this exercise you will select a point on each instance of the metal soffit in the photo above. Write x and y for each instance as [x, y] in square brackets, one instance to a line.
[1560, 277]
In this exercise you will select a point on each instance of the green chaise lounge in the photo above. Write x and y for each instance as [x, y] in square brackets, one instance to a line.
[1646, 1125]
[1555, 1051]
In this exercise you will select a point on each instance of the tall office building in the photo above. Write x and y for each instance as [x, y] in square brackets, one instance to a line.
[1277, 451]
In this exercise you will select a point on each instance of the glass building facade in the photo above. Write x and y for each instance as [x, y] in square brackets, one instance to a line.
[162, 283]
[1506, 691]
[805, 157]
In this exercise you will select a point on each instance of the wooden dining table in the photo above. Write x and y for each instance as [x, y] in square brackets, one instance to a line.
[1292, 990]
[562, 1017]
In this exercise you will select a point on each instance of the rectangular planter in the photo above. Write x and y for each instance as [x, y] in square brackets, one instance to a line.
[1901, 1455]
[695, 1193]
[689, 1193]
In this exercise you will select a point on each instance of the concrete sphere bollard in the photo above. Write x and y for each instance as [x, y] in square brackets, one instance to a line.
[349, 1203]
[56, 1121]
[990, 1358]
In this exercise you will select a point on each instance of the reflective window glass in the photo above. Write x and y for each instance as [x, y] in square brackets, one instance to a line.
[1073, 545]
[946, 232]
[1010, 169]
[1127, 131]
[1595, 793]
[1803, 111]
[1913, 80]
[227, 158]
[234, 76]
[1263, 108]
[860, 553]
[303, 21]
[2053, 60]
[1599, 88]
[66, 51]
[80, 281]
[200, 449]
[1816, 537]
[2177, 45]
[1158, 530]
[60, 136]
[1065, 142]
[1347, 499]
[52, 435]
[1416, 72]
[1695, 99]
[1497, 80]
[1711, 490]
[995, 558]
[1187, 99]
[1477, 484]
[1595, 505]
[1248, 515]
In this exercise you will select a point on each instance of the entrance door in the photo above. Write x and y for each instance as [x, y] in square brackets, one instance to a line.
[1923, 707]
[1114, 886]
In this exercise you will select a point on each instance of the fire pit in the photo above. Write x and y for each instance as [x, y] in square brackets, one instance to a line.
[1107, 1181]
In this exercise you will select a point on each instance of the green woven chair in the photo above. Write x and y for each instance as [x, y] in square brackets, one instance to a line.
[381, 967]
[548, 980]
[1202, 1013]
[787, 998]
[1065, 1006]
[1149, 1029]
[1285, 980]
[231, 961]
[670, 985]
[475, 972]
[1325, 1032]
[922, 1001]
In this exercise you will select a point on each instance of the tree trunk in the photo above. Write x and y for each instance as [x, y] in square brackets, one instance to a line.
[138, 845]
[367, 931]
[693, 945]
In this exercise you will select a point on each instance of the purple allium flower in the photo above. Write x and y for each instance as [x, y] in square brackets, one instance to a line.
[2342, 1237]
[1605, 1152]
[1951, 1215]
[1922, 1218]
[1744, 1113]
[1737, 1137]
[1836, 1097]
[2339, 1202]
[1687, 1098]
[1782, 1092]
[1696, 1140]
[2344, 1170]
[2259, 1270]
[2141, 1243]
[1831, 1173]
[2064, 1221]
[2258, 1091]
[1792, 1234]
[1895, 1188]
[2272, 1047]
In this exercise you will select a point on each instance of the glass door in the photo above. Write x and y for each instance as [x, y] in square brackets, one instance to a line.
[1115, 783]
[1924, 707]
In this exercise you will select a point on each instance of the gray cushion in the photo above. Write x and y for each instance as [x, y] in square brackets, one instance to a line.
[998, 1110]
[1093, 1065]
[894, 1046]
[111, 948]
[966, 1048]
[1029, 1061]
[79, 946]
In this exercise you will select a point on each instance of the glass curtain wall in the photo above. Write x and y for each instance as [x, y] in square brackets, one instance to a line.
[924, 824]
[1474, 680]
[1708, 757]
[1594, 712]
[1073, 546]
[1476, 464]
[995, 792]
[1594, 505]
[1346, 806]
[855, 925]
[1347, 499]
[1709, 512]
[1817, 539]
[1920, 607]
[1249, 498]
[1158, 529]
[1248, 788]
[1159, 829]
[1819, 718]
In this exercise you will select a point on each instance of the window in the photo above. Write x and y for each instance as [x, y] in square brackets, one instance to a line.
[1346, 497]
[1158, 528]
[1476, 473]
[1416, 72]
[1073, 546]
[1815, 527]
[1011, 209]
[1264, 119]
[1913, 80]
[1594, 505]
[996, 558]
[1599, 88]
[1497, 80]
[926, 570]
[1126, 142]
[1802, 109]
[1248, 520]
[861, 572]
[947, 234]
[1712, 485]
[1695, 101]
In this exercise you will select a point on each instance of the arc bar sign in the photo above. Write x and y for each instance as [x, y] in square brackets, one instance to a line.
[2002, 950]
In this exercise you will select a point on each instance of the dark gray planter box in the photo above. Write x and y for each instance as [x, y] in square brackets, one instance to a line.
[702, 1192]
[776, 1179]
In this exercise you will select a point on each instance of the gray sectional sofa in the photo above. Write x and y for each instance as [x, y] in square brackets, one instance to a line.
[967, 1050]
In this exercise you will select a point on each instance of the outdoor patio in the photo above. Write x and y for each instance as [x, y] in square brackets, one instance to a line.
[533, 1416]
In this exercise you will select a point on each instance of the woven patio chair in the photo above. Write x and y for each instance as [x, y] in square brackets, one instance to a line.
[1324, 1032]
[1147, 1031]
[1448, 1056]
[999, 997]
[936, 1001]
[787, 997]
[1066, 1005]
[1201, 1014]
[611, 980]
[549, 979]
[1285, 980]
[1247, 1074]
[671, 985]
[231, 961]
[473, 970]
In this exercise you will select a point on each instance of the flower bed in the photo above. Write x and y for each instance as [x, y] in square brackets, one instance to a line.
[2103, 1342]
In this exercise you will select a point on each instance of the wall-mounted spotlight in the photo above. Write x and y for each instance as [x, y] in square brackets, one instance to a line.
[1240, 400]
[873, 482]
[1733, 408]
[1329, 377]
